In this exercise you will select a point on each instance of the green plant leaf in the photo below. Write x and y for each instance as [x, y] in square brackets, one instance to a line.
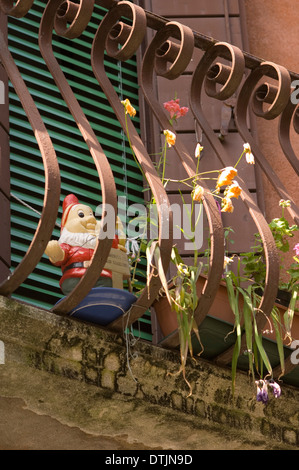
[236, 353]
[289, 314]
[260, 347]
[161, 273]
[247, 314]
[278, 336]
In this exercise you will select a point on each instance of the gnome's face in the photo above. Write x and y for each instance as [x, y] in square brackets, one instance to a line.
[81, 220]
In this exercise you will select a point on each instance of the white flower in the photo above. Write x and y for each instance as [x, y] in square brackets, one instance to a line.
[134, 248]
[227, 261]
[247, 148]
[198, 150]
[249, 155]
[250, 158]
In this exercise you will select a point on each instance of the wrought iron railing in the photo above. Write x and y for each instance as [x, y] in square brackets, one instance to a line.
[167, 55]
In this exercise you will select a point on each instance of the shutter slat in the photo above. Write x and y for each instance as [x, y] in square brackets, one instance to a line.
[78, 172]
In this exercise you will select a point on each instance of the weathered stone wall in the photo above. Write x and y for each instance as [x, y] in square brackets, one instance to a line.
[41, 344]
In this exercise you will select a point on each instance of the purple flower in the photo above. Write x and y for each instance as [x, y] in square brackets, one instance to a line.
[275, 388]
[262, 391]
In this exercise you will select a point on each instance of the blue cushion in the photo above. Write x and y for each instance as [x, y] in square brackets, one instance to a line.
[103, 305]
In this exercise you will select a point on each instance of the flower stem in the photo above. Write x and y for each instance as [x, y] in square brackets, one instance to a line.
[131, 148]
[240, 158]
[164, 161]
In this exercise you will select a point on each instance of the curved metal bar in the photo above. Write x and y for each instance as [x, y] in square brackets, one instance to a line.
[52, 176]
[278, 98]
[18, 10]
[179, 57]
[232, 81]
[78, 16]
[121, 41]
[289, 115]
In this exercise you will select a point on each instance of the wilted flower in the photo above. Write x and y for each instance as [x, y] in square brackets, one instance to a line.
[276, 388]
[226, 177]
[170, 137]
[198, 193]
[249, 155]
[227, 261]
[227, 205]
[233, 190]
[174, 109]
[132, 246]
[183, 269]
[128, 107]
[198, 150]
[262, 391]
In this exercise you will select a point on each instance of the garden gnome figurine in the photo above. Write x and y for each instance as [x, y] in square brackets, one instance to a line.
[75, 247]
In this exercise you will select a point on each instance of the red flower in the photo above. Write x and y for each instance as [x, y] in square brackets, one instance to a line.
[174, 109]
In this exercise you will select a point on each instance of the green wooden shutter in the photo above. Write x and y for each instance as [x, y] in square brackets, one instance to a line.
[78, 171]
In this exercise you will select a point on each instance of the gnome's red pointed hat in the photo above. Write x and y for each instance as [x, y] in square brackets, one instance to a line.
[69, 201]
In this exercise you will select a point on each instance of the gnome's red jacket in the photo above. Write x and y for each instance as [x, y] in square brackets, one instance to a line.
[73, 262]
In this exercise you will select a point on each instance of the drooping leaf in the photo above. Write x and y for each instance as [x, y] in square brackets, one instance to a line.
[278, 336]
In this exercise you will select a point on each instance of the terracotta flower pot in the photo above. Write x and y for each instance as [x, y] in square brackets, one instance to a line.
[220, 309]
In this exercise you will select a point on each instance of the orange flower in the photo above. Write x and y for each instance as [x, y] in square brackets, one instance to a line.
[129, 108]
[233, 190]
[198, 193]
[226, 177]
[170, 137]
[227, 205]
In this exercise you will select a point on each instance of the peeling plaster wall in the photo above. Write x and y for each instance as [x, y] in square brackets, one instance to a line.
[131, 385]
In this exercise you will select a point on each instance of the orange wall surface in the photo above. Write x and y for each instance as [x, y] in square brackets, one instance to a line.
[273, 36]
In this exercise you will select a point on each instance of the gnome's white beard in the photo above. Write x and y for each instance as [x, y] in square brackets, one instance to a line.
[85, 240]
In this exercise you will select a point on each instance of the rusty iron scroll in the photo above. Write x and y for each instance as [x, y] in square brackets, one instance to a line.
[229, 79]
[69, 20]
[289, 116]
[268, 102]
[263, 87]
[17, 9]
[52, 175]
[169, 60]
[121, 40]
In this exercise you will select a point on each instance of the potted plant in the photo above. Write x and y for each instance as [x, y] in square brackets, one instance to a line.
[254, 267]
[179, 296]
